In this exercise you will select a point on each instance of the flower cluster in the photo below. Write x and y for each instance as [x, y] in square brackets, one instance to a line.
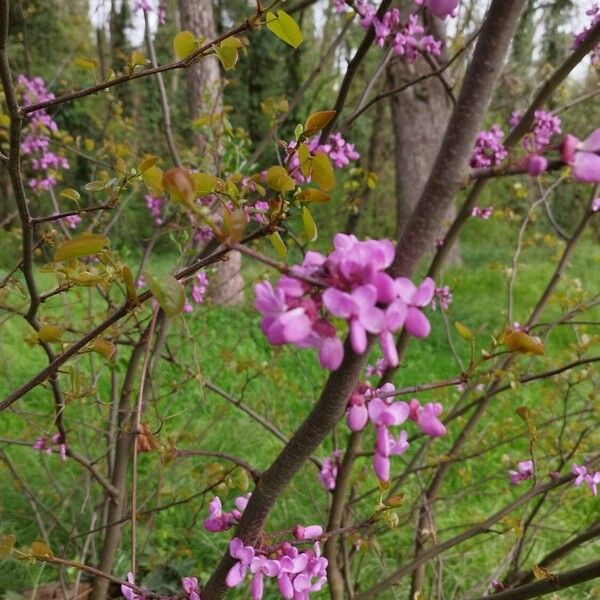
[42, 444]
[407, 38]
[155, 205]
[583, 156]
[489, 150]
[440, 8]
[525, 470]
[36, 141]
[336, 148]
[298, 573]
[350, 284]
[221, 521]
[443, 295]
[199, 290]
[482, 213]
[73, 221]
[579, 38]
[366, 404]
[583, 476]
[329, 470]
[545, 126]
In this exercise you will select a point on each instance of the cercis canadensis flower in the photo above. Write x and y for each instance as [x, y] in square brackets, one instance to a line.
[525, 470]
[583, 156]
[298, 573]
[592, 480]
[482, 213]
[440, 8]
[378, 407]
[356, 288]
[42, 444]
[489, 150]
[221, 521]
[443, 295]
[37, 135]
[579, 38]
[329, 470]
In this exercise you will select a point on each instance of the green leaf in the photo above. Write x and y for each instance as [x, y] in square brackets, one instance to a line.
[148, 162]
[285, 28]
[322, 172]
[278, 179]
[129, 283]
[86, 63]
[227, 52]
[153, 179]
[94, 186]
[204, 183]
[81, 245]
[7, 543]
[310, 227]
[278, 244]
[184, 43]
[70, 194]
[169, 293]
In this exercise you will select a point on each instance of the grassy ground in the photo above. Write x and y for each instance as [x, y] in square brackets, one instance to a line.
[225, 346]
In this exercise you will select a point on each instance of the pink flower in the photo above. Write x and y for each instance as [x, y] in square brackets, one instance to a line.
[536, 165]
[583, 157]
[244, 556]
[383, 414]
[308, 532]
[190, 587]
[261, 566]
[358, 414]
[329, 470]
[427, 417]
[524, 471]
[416, 323]
[381, 466]
[489, 150]
[442, 8]
[218, 520]
[127, 591]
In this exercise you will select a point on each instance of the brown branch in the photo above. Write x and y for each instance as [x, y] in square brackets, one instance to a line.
[236, 460]
[554, 583]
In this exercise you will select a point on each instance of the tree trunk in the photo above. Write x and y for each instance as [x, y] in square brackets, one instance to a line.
[420, 115]
[203, 85]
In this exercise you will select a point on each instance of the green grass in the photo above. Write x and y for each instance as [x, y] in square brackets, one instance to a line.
[225, 346]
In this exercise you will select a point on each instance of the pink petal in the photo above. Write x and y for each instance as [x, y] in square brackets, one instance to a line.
[400, 412]
[416, 323]
[424, 293]
[388, 347]
[381, 465]
[357, 417]
[591, 143]
[235, 575]
[406, 289]
[586, 167]
[339, 303]
[331, 353]
[358, 336]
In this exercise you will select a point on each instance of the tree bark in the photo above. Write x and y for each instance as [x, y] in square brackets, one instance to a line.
[420, 116]
[203, 85]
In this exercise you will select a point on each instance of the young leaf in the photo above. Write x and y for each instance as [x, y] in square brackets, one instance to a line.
[204, 183]
[104, 348]
[180, 185]
[227, 55]
[153, 179]
[523, 343]
[313, 195]
[278, 244]
[41, 550]
[234, 224]
[81, 245]
[464, 332]
[148, 162]
[278, 179]
[70, 194]
[285, 28]
[168, 291]
[184, 43]
[310, 227]
[129, 283]
[50, 333]
[94, 186]
[322, 172]
[7, 543]
[86, 63]
[317, 121]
